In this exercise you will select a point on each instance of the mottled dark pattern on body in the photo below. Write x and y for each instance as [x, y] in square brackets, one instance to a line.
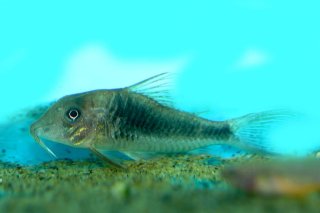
[138, 115]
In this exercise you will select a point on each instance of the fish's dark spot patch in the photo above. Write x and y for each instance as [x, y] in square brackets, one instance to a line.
[3, 151]
[225, 130]
[139, 117]
[132, 115]
[222, 132]
[122, 134]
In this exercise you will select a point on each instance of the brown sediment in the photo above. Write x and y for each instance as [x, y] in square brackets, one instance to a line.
[176, 184]
[291, 177]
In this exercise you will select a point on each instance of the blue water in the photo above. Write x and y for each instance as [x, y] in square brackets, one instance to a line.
[231, 58]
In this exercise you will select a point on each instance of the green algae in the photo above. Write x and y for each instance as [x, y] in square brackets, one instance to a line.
[175, 184]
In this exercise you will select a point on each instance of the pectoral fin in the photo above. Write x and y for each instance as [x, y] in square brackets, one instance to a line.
[105, 159]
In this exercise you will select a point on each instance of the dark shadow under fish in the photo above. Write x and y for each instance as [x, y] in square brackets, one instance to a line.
[139, 121]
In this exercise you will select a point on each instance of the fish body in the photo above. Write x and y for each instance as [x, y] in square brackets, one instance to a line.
[128, 121]
[139, 119]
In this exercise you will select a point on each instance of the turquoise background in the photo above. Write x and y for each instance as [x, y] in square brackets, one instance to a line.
[231, 57]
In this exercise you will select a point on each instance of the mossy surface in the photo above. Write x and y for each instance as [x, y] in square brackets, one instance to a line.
[175, 184]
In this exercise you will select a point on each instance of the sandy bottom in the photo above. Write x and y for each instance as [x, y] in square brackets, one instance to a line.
[179, 184]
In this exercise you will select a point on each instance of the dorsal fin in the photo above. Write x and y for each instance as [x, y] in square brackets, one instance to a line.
[156, 87]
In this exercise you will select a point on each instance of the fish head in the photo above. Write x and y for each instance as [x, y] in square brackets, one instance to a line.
[69, 121]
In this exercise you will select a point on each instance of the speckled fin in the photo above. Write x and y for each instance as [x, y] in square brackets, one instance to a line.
[156, 87]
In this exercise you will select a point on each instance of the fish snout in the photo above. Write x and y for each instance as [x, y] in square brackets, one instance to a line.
[33, 130]
[36, 130]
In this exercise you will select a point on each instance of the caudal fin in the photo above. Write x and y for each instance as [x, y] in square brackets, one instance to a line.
[251, 131]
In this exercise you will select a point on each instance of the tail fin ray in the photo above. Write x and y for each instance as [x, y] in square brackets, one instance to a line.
[251, 131]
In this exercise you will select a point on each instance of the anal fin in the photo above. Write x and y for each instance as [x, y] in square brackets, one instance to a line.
[142, 155]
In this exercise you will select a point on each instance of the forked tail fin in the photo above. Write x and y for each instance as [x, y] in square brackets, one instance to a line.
[251, 131]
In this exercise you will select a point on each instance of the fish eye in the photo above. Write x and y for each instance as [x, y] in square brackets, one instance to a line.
[73, 114]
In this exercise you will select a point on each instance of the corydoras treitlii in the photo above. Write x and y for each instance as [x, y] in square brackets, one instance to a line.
[139, 119]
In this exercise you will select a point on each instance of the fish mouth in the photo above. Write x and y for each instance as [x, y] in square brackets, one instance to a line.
[34, 131]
